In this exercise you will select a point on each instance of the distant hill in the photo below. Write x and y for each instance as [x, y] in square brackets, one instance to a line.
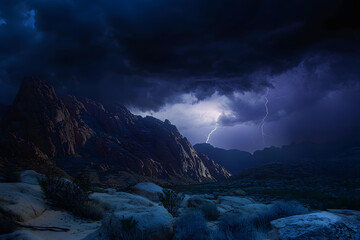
[343, 165]
[233, 160]
[336, 159]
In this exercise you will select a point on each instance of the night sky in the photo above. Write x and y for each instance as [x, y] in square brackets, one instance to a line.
[199, 63]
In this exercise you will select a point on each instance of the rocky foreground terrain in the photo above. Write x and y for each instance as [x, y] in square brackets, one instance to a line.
[226, 214]
[128, 157]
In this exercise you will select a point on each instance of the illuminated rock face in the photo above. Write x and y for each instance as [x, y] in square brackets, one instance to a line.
[79, 133]
[339, 224]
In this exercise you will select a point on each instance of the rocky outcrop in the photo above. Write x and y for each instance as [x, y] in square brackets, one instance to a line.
[38, 116]
[26, 201]
[318, 226]
[149, 190]
[216, 170]
[133, 215]
[30, 177]
[79, 133]
[20, 235]
[153, 220]
[237, 204]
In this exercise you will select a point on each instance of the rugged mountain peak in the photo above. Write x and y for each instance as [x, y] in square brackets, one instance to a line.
[37, 115]
[108, 140]
[34, 89]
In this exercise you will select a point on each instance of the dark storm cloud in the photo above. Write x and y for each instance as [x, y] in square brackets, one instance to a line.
[297, 89]
[146, 53]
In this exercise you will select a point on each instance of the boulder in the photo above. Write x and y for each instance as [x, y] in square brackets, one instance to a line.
[197, 201]
[254, 208]
[207, 196]
[228, 204]
[30, 177]
[316, 226]
[246, 210]
[184, 203]
[20, 235]
[234, 201]
[22, 199]
[148, 190]
[355, 215]
[238, 192]
[154, 220]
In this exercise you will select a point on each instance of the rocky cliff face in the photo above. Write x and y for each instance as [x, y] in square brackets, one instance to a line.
[108, 140]
[39, 116]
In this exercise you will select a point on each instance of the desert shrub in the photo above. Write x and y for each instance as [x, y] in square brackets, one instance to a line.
[10, 174]
[217, 235]
[191, 226]
[91, 210]
[63, 192]
[290, 208]
[171, 201]
[258, 235]
[83, 181]
[278, 210]
[122, 228]
[7, 225]
[210, 211]
[234, 226]
[70, 196]
[254, 235]
[7, 221]
[128, 224]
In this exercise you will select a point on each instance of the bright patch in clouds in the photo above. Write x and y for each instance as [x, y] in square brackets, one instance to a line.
[201, 114]
[195, 118]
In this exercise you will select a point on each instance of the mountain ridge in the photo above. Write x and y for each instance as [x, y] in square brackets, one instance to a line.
[298, 159]
[234, 160]
[107, 140]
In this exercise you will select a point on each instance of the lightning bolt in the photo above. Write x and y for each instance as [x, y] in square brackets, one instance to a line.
[264, 118]
[208, 137]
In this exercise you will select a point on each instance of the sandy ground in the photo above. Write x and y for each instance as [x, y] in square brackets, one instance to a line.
[79, 228]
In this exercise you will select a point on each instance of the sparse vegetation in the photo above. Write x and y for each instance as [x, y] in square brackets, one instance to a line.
[210, 211]
[91, 210]
[317, 192]
[83, 182]
[72, 196]
[191, 226]
[235, 226]
[171, 201]
[280, 209]
[10, 174]
[128, 224]
[7, 221]
[122, 229]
